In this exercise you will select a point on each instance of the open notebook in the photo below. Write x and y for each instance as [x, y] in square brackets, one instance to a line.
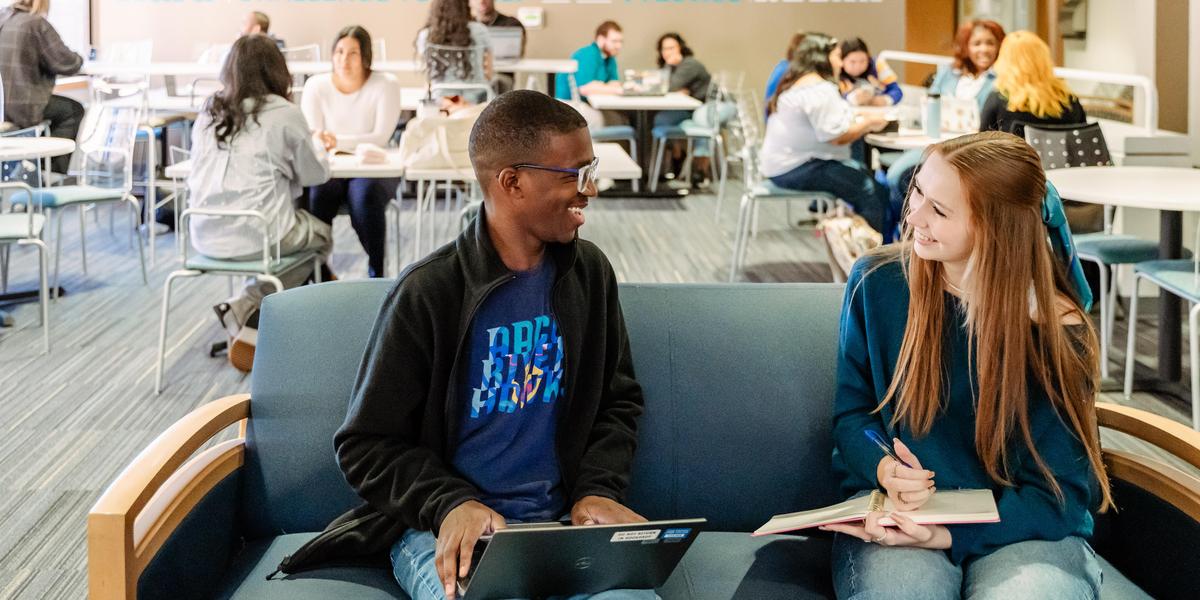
[944, 507]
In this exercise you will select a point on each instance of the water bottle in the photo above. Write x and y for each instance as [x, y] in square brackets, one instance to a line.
[932, 105]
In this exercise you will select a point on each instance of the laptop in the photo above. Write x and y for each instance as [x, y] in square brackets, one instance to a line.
[646, 83]
[547, 559]
[506, 44]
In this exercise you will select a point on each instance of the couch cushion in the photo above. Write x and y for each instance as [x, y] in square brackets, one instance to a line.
[722, 565]
[247, 577]
[1116, 586]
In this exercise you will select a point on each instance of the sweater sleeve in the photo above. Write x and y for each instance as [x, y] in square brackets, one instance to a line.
[1029, 509]
[310, 104]
[56, 57]
[889, 81]
[608, 459]
[379, 445]
[387, 116]
[854, 399]
[309, 163]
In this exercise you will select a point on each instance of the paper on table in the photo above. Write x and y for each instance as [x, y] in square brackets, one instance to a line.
[944, 507]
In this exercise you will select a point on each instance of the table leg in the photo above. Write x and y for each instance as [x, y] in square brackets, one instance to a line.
[1170, 244]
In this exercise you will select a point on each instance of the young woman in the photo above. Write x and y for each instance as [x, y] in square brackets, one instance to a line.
[687, 76]
[809, 129]
[970, 77]
[354, 105]
[1027, 90]
[34, 55]
[253, 150]
[864, 81]
[456, 49]
[966, 345]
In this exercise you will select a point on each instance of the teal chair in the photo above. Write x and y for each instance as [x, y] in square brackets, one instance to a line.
[105, 164]
[716, 110]
[22, 229]
[271, 265]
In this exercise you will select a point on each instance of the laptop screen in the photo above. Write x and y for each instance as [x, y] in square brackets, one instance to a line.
[506, 43]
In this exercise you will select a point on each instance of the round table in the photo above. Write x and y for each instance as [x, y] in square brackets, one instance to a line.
[24, 148]
[1166, 189]
[906, 139]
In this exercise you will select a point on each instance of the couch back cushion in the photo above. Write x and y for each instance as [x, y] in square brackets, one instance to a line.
[738, 380]
[310, 343]
[739, 383]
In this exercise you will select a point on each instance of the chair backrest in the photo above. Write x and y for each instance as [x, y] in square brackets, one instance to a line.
[105, 151]
[135, 52]
[305, 53]
[378, 49]
[28, 171]
[738, 382]
[1065, 146]
[453, 64]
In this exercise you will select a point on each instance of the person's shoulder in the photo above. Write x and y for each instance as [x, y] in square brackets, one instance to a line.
[590, 51]
[476, 28]
[878, 273]
[383, 78]
[319, 82]
[425, 281]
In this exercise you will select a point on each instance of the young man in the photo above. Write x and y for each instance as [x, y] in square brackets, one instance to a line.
[259, 22]
[598, 73]
[498, 384]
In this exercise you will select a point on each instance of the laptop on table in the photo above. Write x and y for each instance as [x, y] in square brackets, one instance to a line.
[551, 559]
[506, 44]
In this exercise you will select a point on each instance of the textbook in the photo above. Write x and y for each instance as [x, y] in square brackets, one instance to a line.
[943, 508]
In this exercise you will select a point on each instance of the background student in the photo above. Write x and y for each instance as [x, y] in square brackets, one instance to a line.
[354, 105]
[1027, 91]
[865, 81]
[810, 127]
[967, 344]
[597, 75]
[32, 55]
[456, 49]
[258, 22]
[253, 150]
[686, 76]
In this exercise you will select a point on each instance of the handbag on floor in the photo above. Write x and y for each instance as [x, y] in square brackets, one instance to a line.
[846, 239]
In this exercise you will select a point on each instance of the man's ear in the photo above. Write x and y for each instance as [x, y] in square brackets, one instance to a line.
[508, 183]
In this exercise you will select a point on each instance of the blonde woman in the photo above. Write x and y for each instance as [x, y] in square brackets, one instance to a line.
[966, 344]
[1026, 90]
[32, 55]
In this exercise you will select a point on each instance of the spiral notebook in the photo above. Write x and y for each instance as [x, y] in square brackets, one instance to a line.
[943, 508]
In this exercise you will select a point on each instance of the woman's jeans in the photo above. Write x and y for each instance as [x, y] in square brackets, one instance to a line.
[368, 200]
[847, 180]
[414, 569]
[1067, 569]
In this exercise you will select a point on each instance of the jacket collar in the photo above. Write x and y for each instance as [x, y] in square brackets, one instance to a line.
[481, 262]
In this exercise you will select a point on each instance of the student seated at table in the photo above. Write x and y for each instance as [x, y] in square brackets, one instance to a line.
[455, 49]
[865, 81]
[253, 150]
[597, 75]
[969, 77]
[258, 22]
[781, 67]
[806, 146]
[354, 105]
[1027, 91]
[967, 346]
[31, 55]
[485, 13]
[687, 76]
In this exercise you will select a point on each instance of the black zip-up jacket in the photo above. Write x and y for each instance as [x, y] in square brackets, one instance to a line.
[397, 444]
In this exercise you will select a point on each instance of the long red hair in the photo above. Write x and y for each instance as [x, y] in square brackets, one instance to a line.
[962, 58]
[1012, 273]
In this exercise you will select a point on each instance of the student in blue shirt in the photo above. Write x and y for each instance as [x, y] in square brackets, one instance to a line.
[967, 345]
[598, 72]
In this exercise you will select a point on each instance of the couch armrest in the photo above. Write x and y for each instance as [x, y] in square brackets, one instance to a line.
[1180, 489]
[148, 500]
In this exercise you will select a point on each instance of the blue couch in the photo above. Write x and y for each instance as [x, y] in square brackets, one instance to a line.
[738, 380]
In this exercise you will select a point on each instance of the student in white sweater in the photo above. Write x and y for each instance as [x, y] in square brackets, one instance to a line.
[253, 150]
[346, 108]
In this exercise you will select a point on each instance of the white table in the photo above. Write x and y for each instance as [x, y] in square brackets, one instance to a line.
[29, 148]
[907, 139]
[671, 101]
[1169, 190]
[195, 69]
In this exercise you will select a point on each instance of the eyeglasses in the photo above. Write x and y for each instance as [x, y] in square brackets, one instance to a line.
[587, 174]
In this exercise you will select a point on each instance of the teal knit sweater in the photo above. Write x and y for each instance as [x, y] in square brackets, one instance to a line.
[874, 315]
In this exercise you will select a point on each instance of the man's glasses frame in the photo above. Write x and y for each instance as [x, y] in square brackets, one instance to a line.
[586, 174]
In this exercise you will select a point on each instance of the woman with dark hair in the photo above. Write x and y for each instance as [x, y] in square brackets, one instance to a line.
[253, 150]
[810, 127]
[455, 49]
[865, 81]
[686, 76]
[350, 107]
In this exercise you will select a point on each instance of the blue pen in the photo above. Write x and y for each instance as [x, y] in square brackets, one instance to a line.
[884, 445]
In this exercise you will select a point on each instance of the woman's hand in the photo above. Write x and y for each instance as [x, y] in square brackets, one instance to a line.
[327, 139]
[905, 533]
[907, 488]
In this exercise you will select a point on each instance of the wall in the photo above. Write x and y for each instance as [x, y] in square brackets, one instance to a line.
[733, 35]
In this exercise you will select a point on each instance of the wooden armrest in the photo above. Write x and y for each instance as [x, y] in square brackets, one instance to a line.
[1176, 438]
[132, 519]
[1180, 489]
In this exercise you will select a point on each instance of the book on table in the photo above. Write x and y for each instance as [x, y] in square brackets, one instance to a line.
[944, 507]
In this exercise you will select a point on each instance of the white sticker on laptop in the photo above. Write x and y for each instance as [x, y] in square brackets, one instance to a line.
[639, 535]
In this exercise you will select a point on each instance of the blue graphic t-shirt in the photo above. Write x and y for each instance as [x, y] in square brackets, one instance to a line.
[511, 394]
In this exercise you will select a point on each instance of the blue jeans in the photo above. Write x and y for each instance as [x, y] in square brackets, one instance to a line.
[414, 569]
[1066, 569]
[367, 199]
[847, 180]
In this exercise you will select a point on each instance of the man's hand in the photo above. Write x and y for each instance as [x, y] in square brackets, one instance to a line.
[456, 539]
[597, 510]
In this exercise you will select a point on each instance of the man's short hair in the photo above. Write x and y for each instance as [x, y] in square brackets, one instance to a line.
[264, 22]
[605, 27]
[514, 129]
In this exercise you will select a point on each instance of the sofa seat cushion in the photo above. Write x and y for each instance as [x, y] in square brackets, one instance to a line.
[1116, 586]
[724, 565]
[247, 576]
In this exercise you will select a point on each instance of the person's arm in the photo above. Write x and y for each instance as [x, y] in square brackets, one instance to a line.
[605, 467]
[854, 399]
[54, 56]
[684, 74]
[310, 105]
[890, 83]
[834, 122]
[387, 116]
[379, 444]
[310, 164]
[989, 115]
[1029, 509]
[893, 92]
